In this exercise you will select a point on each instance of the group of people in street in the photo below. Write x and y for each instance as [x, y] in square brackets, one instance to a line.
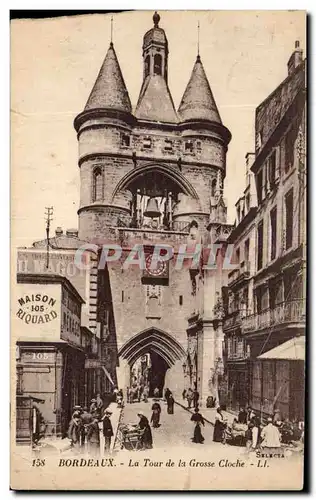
[84, 428]
[137, 393]
[191, 396]
[271, 435]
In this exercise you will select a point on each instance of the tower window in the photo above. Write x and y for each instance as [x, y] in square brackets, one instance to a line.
[122, 295]
[180, 300]
[126, 140]
[168, 145]
[188, 146]
[213, 187]
[97, 193]
[147, 66]
[147, 143]
[157, 64]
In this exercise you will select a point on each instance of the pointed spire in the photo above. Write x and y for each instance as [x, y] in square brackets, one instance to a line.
[109, 90]
[198, 102]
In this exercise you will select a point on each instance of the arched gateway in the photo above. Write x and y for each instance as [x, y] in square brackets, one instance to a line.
[159, 359]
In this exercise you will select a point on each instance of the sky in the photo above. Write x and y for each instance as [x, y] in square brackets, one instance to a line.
[54, 63]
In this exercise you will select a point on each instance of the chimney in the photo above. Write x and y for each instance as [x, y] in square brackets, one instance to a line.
[250, 158]
[295, 59]
[72, 233]
[58, 231]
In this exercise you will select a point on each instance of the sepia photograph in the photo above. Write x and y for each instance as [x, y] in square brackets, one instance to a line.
[158, 241]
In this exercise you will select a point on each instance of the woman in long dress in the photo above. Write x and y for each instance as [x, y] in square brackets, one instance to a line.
[199, 421]
[219, 427]
[170, 404]
[155, 417]
[146, 439]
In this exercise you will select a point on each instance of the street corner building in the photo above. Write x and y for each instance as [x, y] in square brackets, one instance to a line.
[155, 175]
[265, 298]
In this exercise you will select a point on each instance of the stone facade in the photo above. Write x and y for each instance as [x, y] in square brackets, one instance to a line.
[177, 160]
[265, 297]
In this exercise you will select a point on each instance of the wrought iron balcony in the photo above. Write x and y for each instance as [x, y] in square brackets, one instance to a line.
[292, 311]
[241, 272]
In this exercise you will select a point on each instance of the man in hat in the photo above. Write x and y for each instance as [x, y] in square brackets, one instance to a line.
[93, 406]
[74, 431]
[107, 431]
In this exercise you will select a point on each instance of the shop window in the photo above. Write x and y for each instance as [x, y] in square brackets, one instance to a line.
[97, 194]
[260, 246]
[289, 219]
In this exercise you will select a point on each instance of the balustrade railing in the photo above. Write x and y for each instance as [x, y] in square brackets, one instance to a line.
[292, 311]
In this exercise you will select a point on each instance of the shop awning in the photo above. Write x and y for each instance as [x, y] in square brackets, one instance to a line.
[108, 376]
[293, 349]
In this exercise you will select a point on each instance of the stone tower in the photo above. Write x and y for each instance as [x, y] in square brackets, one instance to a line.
[150, 176]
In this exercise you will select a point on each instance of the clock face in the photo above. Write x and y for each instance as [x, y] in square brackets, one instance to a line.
[159, 268]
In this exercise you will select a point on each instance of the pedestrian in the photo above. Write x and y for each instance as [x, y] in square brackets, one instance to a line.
[170, 404]
[93, 406]
[242, 416]
[190, 397]
[115, 394]
[199, 421]
[270, 435]
[93, 437]
[107, 431]
[167, 393]
[196, 396]
[250, 414]
[146, 437]
[156, 392]
[86, 419]
[145, 394]
[156, 411]
[277, 418]
[184, 394]
[219, 435]
[99, 404]
[74, 432]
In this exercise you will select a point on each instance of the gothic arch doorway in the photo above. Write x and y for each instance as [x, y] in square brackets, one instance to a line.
[150, 354]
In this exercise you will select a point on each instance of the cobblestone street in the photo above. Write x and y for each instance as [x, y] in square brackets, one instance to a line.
[176, 430]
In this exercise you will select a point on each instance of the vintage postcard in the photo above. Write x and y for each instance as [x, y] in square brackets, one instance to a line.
[158, 251]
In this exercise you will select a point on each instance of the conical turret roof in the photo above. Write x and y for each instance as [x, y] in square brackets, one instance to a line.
[198, 102]
[109, 90]
[155, 102]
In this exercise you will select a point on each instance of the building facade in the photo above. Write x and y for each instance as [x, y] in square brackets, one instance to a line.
[149, 176]
[265, 299]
